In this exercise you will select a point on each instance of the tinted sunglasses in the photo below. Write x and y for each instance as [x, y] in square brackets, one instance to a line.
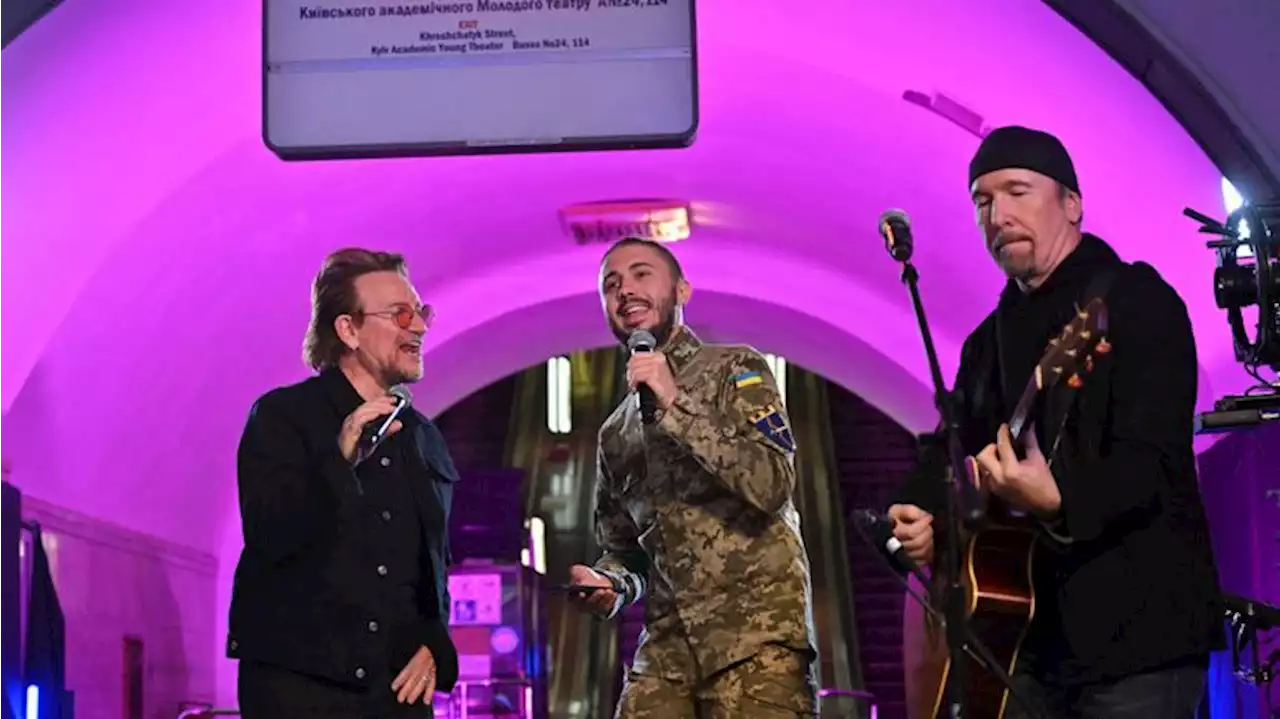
[403, 316]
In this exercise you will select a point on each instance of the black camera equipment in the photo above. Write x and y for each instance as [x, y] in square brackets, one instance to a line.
[1248, 275]
[1248, 619]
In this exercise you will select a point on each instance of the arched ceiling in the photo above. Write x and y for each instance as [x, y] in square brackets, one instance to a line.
[158, 256]
[1212, 64]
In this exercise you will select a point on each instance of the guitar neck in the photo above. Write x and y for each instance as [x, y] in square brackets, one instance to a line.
[1026, 403]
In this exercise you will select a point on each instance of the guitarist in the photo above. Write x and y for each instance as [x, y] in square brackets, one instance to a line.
[1126, 592]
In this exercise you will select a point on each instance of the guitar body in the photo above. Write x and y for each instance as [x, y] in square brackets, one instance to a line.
[996, 566]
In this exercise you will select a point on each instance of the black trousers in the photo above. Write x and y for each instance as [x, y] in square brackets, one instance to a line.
[1172, 693]
[268, 692]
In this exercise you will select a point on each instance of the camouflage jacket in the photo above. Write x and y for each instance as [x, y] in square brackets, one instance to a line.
[696, 512]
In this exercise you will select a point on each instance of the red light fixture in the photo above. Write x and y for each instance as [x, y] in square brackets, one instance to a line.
[608, 221]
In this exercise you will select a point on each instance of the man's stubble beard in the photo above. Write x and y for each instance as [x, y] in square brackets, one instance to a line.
[661, 331]
[395, 375]
[1020, 267]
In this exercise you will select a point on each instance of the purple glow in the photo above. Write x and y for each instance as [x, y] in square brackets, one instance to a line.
[159, 256]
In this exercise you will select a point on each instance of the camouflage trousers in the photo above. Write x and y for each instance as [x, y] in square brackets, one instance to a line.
[774, 684]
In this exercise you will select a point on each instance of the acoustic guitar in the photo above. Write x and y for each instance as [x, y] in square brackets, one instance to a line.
[996, 558]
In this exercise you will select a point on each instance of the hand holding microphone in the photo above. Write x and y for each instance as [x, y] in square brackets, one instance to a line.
[905, 535]
[649, 374]
[371, 423]
[913, 528]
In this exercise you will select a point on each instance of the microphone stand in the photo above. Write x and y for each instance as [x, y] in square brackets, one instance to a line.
[959, 511]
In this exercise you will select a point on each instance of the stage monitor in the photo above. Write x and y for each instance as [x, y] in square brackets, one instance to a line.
[346, 79]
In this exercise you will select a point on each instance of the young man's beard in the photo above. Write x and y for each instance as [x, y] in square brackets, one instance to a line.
[661, 331]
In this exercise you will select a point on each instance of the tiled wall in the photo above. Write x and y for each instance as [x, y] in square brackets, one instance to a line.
[873, 454]
[476, 426]
[113, 584]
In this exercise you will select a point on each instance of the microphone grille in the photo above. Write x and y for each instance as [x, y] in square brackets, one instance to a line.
[401, 393]
[642, 339]
[894, 214]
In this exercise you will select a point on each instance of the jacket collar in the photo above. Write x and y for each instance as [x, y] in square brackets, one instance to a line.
[1075, 270]
[344, 397]
[681, 348]
[339, 390]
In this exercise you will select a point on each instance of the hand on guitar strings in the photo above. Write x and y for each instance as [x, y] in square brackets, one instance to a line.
[1025, 484]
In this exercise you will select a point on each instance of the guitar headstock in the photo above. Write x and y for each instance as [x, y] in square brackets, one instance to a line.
[1071, 354]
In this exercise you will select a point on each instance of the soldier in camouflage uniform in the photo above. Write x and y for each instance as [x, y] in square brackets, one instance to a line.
[695, 513]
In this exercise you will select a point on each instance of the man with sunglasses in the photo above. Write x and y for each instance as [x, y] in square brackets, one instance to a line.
[340, 602]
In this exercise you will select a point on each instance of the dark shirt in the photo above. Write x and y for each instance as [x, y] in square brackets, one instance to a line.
[1135, 588]
[343, 574]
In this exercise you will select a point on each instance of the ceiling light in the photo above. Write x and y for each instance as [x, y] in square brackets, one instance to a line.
[608, 221]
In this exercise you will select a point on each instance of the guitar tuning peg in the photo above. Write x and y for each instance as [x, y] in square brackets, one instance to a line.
[1088, 363]
[1074, 382]
[1085, 334]
[1057, 370]
[1054, 342]
[1073, 352]
[1103, 346]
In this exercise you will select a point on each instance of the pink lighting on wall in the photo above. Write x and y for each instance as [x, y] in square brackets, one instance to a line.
[157, 257]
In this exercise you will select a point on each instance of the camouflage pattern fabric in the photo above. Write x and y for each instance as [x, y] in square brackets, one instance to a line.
[695, 512]
[772, 684]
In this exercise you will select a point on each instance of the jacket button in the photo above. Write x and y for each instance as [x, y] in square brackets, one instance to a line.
[373, 626]
[382, 570]
[359, 672]
[385, 461]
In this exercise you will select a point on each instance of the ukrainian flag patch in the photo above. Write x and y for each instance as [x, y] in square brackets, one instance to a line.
[746, 379]
[770, 422]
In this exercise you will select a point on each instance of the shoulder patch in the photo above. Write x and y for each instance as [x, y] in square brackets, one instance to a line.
[770, 422]
[746, 379]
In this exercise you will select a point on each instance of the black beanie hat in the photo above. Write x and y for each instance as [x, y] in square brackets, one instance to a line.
[1026, 149]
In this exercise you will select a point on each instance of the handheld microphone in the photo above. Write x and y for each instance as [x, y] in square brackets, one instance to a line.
[879, 529]
[644, 341]
[376, 431]
[895, 228]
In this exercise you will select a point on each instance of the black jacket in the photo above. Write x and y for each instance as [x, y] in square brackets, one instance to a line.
[305, 582]
[1136, 586]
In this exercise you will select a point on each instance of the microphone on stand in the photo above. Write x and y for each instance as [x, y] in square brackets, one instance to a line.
[895, 228]
[879, 529]
[644, 341]
[376, 431]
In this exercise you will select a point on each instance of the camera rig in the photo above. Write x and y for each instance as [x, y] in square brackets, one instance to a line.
[1247, 275]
